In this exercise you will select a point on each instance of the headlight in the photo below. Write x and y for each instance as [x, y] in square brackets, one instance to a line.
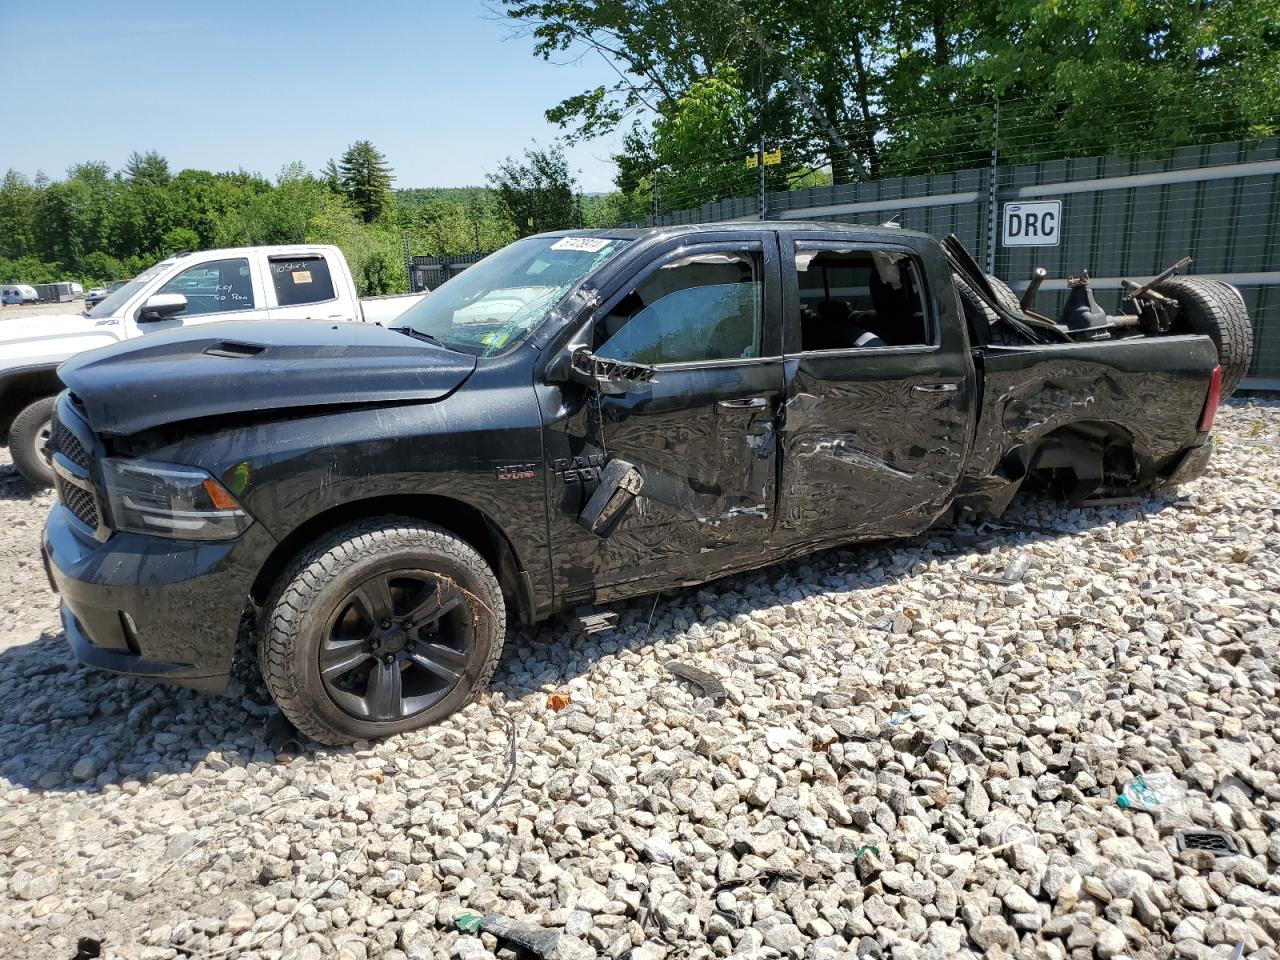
[170, 500]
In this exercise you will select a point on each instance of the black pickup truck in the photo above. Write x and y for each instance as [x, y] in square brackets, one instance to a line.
[579, 418]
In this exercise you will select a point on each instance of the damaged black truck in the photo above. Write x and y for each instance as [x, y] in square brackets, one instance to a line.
[581, 418]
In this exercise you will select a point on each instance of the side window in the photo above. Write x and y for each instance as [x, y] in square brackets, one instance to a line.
[219, 286]
[859, 298]
[706, 306]
[301, 280]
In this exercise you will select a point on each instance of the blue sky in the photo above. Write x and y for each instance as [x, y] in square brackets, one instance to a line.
[438, 86]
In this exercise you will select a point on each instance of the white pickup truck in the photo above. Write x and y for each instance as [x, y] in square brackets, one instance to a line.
[297, 282]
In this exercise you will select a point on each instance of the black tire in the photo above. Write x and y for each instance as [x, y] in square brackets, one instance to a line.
[1217, 310]
[319, 592]
[27, 434]
[985, 327]
[1005, 295]
[978, 315]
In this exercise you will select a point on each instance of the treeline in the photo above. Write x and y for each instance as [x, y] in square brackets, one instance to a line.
[98, 225]
[859, 91]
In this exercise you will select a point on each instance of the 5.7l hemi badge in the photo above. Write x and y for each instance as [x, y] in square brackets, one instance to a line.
[518, 471]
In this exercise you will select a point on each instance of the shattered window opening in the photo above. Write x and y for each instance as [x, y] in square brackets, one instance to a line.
[852, 299]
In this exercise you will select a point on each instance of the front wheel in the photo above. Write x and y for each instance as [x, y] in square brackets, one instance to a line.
[27, 436]
[385, 626]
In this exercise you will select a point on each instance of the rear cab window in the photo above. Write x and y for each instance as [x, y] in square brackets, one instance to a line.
[301, 279]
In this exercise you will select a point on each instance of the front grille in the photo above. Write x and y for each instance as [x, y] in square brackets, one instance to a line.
[66, 443]
[71, 468]
[79, 502]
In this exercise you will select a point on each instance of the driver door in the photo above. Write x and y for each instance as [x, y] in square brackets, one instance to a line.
[702, 433]
[215, 290]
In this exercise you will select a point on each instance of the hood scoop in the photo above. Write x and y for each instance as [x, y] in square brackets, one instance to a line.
[233, 351]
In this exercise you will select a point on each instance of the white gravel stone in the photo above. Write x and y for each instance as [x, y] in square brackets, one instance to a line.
[936, 789]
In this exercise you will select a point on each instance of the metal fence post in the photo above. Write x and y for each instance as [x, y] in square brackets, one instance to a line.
[762, 200]
[992, 177]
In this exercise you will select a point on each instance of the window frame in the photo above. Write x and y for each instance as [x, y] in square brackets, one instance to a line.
[791, 298]
[759, 246]
[269, 281]
[253, 290]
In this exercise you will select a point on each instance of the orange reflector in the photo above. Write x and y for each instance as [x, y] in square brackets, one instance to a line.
[1211, 401]
[219, 496]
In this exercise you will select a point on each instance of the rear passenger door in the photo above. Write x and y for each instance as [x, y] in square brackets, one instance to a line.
[303, 286]
[876, 424]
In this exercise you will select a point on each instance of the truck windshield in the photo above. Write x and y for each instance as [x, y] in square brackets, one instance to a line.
[487, 308]
[124, 293]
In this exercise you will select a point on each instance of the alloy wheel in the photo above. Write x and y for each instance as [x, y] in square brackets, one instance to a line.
[396, 645]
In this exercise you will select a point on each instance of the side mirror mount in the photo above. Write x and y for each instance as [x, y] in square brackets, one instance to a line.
[611, 377]
[162, 306]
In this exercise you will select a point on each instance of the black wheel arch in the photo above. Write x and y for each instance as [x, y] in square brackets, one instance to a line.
[1078, 457]
[21, 387]
[1095, 453]
[458, 517]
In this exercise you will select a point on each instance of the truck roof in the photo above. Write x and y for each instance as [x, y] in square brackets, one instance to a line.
[279, 248]
[858, 231]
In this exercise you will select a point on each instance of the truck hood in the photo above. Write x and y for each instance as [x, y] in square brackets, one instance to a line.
[44, 340]
[228, 368]
[42, 326]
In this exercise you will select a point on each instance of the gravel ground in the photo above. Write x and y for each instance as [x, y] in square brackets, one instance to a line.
[10, 311]
[910, 763]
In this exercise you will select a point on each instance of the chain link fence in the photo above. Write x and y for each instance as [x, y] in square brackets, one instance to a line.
[1021, 193]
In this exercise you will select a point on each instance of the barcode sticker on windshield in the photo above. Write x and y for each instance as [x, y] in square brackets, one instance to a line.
[583, 244]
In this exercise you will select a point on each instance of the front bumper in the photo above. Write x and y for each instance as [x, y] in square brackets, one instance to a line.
[150, 606]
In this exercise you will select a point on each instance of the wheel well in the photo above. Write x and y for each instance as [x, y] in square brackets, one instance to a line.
[1080, 457]
[459, 518]
[21, 389]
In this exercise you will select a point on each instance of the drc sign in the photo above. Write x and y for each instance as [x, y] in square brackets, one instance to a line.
[1035, 224]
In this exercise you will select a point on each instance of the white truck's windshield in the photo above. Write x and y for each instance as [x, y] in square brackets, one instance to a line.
[122, 295]
[489, 307]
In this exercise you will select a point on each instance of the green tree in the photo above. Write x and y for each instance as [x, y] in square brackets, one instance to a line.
[697, 142]
[75, 216]
[372, 251]
[180, 239]
[150, 168]
[19, 203]
[536, 194]
[331, 176]
[365, 177]
[873, 88]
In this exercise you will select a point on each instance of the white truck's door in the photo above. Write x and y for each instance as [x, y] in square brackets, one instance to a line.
[223, 289]
[309, 286]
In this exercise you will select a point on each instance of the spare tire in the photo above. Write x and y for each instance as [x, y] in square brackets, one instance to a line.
[1005, 295]
[978, 314]
[1216, 310]
[984, 323]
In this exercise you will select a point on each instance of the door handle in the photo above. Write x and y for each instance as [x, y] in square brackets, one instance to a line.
[935, 388]
[747, 403]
